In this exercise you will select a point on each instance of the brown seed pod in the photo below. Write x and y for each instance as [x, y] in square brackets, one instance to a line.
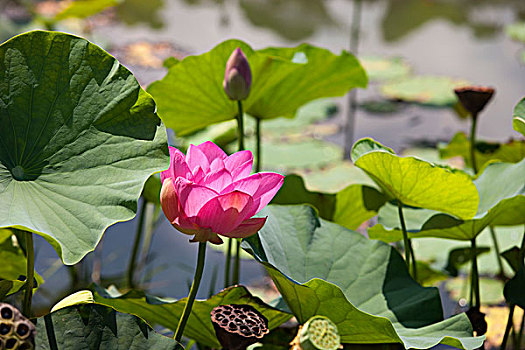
[6, 329]
[12, 343]
[238, 326]
[474, 98]
[24, 329]
[8, 312]
[26, 345]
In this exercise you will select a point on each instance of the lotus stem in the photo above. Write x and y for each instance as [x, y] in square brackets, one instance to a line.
[258, 155]
[409, 252]
[498, 255]
[520, 332]
[508, 327]
[193, 292]
[152, 217]
[136, 244]
[237, 263]
[30, 274]
[473, 143]
[227, 267]
[475, 274]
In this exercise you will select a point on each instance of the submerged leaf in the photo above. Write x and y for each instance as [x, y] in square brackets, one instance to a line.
[81, 139]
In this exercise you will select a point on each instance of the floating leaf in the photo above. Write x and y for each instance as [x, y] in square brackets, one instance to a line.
[502, 202]
[415, 182]
[96, 327]
[427, 90]
[84, 8]
[384, 69]
[167, 312]
[191, 96]
[335, 177]
[519, 117]
[81, 138]
[349, 207]
[363, 286]
[510, 152]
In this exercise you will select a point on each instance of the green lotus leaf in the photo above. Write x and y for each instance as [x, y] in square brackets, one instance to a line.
[349, 207]
[426, 90]
[512, 256]
[85, 8]
[509, 152]
[385, 69]
[13, 274]
[518, 121]
[458, 257]
[363, 286]
[502, 203]
[513, 290]
[97, 327]
[167, 312]
[191, 95]
[416, 182]
[80, 139]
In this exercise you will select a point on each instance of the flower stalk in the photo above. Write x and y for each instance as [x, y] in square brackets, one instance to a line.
[136, 244]
[30, 274]
[193, 292]
[410, 258]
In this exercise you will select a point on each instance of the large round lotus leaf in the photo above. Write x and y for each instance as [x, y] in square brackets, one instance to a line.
[349, 207]
[416, 182]
[502, 202]
[191, 95]
[79, 138]
[97, 327]
[363, 286]
[167, 312]
[384, 69]
[516, 31]
[427, 90]
[509, 152]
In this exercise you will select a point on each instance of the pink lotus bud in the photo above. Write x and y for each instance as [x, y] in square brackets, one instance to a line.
[207, 193]
[237, 77]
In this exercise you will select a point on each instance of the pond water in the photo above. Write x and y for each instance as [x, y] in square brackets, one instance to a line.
[462, 39]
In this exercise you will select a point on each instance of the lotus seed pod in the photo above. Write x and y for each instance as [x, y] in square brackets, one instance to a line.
[24, 329]
[12, 343]
[6, 329]
[474, 98]
[319, 333]
[7, 312]
[238, 326]
[26, 345]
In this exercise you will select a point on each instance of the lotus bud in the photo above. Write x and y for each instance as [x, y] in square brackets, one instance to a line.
[238, 326]
[474, 98]
[237, 76]
[318, 333]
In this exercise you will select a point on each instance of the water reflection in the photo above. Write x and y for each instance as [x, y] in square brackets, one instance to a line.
[291, 19]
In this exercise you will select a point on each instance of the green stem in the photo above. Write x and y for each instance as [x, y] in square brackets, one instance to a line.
[475, 274]
[406, 241]
[520, 332]
[496, 248]
[258, 156]
[413, 260]
[473, 143]
[30, 274]
[151, 221]
[136, 244]
[240, 126]
[237, 263]
[193, 292]
[227, 267]
[507, 329]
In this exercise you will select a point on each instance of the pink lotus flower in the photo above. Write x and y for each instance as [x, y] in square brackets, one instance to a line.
[207, 193]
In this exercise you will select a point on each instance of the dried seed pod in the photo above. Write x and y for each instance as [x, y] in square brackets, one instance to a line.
[474, 98]
[12, 343]
[26, 345]
[318, 333]
[24, 329]
[238, 326]
[6, 329]
[7, 312]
